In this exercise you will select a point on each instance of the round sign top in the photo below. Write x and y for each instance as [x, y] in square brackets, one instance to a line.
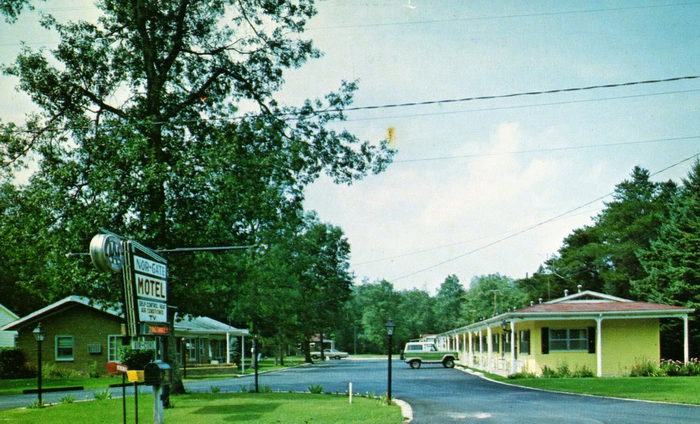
[107, 253]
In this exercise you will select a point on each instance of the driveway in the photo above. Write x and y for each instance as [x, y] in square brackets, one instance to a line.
[438, 395]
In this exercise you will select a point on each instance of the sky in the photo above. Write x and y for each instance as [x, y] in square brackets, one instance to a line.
[482, 186]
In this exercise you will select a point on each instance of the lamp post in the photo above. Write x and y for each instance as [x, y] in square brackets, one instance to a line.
[39, 336]
[390, 333]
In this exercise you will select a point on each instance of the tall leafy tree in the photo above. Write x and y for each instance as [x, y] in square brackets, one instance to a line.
[141, 130]
[490, 295]
[628, 224]
[448, 304]
[159, 121]
[672, 263]
[379, 302]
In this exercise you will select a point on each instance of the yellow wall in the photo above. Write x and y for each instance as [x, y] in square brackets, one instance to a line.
[629, 342]
[626, 342]
[536, 361]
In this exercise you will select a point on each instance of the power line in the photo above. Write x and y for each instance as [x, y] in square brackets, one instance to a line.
[430, 249]
[525, 106]
[550, 149]
[519, 94]
[497, 17]
[532, 227]
[298, 115]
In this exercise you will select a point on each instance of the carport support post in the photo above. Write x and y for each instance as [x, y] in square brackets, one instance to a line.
[686, 350]
[470, 360]
[242, 354]
[513, 363]
[481, 349]
[599, 346]
[489, 347]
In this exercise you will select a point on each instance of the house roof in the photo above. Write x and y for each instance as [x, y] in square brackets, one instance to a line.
[582, 305]
[205, 325]
[183, 325]
[8, 312]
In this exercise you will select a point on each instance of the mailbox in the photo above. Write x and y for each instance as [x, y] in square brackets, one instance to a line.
[157, 373]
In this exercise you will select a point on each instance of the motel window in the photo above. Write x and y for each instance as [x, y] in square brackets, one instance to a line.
[64, 348]
[525, 341]
[568, 339]
[506, 343]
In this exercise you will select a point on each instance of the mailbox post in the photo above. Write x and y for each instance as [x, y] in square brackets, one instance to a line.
[157, 374]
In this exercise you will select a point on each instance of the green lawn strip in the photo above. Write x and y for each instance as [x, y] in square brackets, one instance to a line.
[14, 387]
[665, 389]
[201, 408]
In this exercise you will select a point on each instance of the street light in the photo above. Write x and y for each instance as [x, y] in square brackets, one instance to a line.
[390, 333]
[39, 336]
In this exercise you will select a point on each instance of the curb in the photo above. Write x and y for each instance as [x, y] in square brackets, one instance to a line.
[483, 377]
[406, 410]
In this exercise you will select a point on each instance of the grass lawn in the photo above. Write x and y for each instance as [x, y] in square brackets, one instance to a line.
[665, 389]
[208, 408]
[14, 387]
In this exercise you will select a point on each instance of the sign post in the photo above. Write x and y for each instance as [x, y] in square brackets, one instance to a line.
[145, 295]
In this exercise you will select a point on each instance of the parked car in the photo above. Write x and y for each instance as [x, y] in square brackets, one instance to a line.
[329, 353]
[417, 353]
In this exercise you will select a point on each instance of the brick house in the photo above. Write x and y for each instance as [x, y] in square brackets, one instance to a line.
[83, 335]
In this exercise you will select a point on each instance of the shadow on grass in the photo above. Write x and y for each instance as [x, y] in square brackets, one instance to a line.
[239, 412]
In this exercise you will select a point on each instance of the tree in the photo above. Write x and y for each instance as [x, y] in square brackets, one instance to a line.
[379, 303]
[448, 304]
[672, 263]
[490, 295]
[628, 224]
[141, 129]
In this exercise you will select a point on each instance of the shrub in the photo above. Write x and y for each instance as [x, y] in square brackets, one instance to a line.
[677, 368]
[103, 395]
[563, 370]
[215, 389]
[646, 369]
[13, 364]
[36, 404]
[523, 374]
[583, 372]
[67, 399]
[692, 367]
[548, 372]
[51, 370]
[136, 359]
[316, 388]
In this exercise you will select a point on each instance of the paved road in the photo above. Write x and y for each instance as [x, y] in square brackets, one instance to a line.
[440, 396]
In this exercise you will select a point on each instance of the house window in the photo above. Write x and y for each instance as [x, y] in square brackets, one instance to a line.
[525, 341]
[113, 344]
[64, 348]
[495, 338]
[192, 349]
[568, 339]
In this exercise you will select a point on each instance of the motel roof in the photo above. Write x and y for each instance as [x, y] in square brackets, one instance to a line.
[583, 305]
